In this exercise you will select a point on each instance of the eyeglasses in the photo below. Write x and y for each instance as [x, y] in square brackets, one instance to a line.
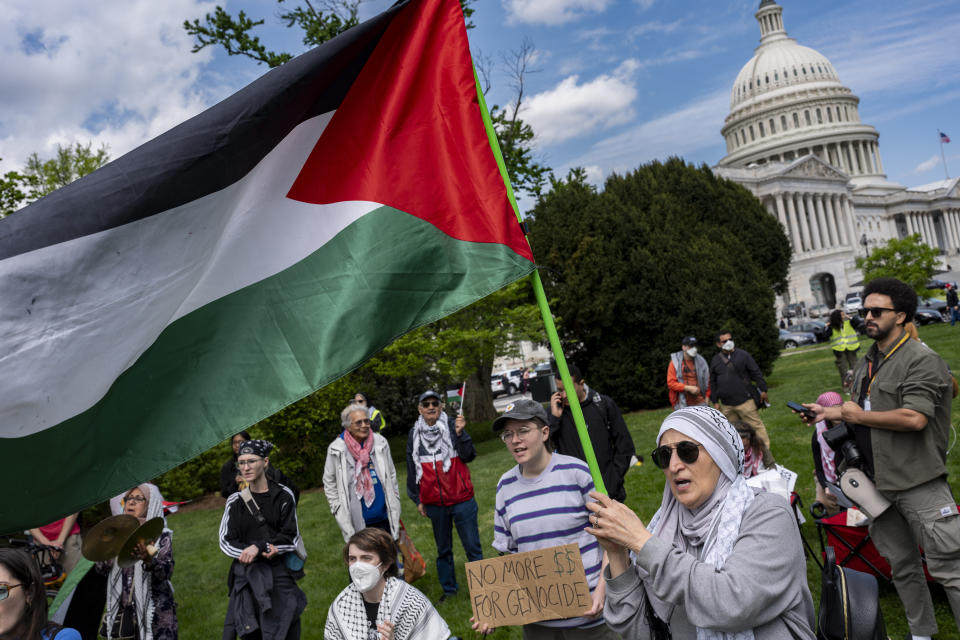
[5, 589]
[248, 463]
[358, 423]
[135, 499]
[522, 432]
[876, 312]
[430, 403]
[687, 451]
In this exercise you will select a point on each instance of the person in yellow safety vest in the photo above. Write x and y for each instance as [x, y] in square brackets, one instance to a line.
[377, 422]
[845, 344]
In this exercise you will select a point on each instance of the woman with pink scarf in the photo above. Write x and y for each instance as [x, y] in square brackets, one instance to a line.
[359, 478]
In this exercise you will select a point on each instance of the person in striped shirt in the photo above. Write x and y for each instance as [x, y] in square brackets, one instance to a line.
[541, 502]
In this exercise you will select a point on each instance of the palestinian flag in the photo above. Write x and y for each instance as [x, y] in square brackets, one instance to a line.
[246, 258]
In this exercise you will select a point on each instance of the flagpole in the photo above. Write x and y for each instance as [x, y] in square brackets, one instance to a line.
[942, 156]
[541, 297]
[463, 397]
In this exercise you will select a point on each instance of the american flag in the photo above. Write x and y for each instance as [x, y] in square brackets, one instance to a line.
[944, 137]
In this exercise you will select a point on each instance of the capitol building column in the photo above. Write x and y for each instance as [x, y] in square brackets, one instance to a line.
[811, 217]
[796, 227]
[825, 238]
[848, 215]
[823, 201]
[790, 226]
[837, 219]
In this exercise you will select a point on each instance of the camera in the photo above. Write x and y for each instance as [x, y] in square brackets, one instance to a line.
[841, 440]
[853, 479]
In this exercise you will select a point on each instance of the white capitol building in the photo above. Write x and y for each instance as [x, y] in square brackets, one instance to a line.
[795, 139]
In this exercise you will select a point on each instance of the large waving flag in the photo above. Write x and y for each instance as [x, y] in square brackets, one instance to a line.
[246, 258]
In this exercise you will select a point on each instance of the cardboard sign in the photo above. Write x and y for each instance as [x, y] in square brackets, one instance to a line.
[519, 588]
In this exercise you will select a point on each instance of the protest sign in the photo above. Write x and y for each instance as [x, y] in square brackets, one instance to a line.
[520, 588]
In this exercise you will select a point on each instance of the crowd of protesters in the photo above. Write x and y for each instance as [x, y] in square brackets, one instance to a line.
[720, 558]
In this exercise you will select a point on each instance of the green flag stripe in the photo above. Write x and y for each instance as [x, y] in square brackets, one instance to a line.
[242, 357]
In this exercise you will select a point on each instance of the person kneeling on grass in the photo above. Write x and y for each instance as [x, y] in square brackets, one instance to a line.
[377, 605]
[541, 503]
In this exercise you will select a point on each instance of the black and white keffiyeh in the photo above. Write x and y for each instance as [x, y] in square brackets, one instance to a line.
[435, 440]
[410, 611]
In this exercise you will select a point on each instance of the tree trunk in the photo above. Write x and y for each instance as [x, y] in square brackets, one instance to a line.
[478, 404]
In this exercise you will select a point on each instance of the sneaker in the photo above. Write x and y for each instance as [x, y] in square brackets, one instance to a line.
[446, 596]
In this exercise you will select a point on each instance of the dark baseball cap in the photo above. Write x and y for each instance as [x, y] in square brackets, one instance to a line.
[523, 409]
[689, 341]
[429, 394]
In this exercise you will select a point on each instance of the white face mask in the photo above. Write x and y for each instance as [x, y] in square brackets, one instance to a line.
[365, 575]
[727, 346]
[692, 352]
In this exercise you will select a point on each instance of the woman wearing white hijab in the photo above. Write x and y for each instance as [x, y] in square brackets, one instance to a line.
[718, 559]
[145, 586]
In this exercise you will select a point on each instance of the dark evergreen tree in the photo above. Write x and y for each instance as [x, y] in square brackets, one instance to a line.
[665, 251]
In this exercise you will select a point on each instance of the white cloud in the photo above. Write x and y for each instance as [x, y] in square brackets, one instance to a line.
[927, 164]
[118, 73]
[692, 127]
[573, 109]
[551, 12]
[645, 4]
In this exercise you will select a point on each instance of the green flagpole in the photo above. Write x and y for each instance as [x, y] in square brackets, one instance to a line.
[541, 297]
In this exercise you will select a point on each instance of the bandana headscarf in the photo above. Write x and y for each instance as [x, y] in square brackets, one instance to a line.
[435, 440]
[827, 457]
[363, 481]
[142, 590]
[710, 531]
[260, 448]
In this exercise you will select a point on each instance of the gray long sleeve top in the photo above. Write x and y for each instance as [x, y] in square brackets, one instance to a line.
[763, 584]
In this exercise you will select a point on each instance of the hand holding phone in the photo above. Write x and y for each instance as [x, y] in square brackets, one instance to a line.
[802, 410]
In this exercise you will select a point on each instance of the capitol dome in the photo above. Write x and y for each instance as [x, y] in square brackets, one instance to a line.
[788, 102]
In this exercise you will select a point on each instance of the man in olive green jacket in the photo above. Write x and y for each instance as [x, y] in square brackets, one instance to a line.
[900, 414]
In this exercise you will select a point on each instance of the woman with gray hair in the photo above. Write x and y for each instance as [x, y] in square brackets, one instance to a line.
[359, 478]
[718, 559]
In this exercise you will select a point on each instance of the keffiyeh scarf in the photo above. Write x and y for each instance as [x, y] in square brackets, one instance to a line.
[435, 441]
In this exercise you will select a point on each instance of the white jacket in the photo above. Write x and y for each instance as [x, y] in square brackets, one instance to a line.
[338, 485]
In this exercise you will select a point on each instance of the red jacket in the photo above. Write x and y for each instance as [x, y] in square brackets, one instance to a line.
[437, 487]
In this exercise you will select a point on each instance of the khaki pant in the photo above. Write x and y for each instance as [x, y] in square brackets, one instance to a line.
[747, 412]
[540, 632]
[924, 516]
[846, 360]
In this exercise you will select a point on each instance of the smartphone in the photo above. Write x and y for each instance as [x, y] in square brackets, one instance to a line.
[799, 408]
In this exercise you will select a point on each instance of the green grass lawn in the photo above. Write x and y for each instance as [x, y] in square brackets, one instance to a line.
[201, 569]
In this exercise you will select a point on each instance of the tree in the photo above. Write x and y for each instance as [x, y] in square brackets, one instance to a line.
[665, 251]
[234, 34]
[907, 259]
[41, 177]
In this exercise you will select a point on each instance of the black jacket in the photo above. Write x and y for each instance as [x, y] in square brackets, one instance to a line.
[730, 378]
[239, 529]
[228, 479]
[612, 444]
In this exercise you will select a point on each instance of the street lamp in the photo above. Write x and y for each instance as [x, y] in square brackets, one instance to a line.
[863, 241]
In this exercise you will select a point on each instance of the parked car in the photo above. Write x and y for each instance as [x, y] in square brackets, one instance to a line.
[513, 380]
[927, 315]
[793, 339]
[851, 306]
[933, 283]
[819, 311]
[820, 329]
[497, 386]
[793, 310]
[933, 303]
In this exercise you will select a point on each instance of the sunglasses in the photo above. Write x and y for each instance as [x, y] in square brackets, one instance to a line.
[5, 589]
[430, 403]
[687, 451]
[876, 312]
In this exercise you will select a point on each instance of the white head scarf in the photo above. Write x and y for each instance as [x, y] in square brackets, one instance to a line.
[709, 531]
[142, 591]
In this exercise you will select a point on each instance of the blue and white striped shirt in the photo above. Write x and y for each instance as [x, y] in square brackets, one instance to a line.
[549, 510]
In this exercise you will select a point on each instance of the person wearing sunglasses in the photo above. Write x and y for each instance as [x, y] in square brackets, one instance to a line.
[541, 503]
[439, 483]
[900, 415]
[23, 601]
[718, 558]
[359, 478]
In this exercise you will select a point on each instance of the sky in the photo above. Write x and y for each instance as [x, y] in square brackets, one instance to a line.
[614, 83]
